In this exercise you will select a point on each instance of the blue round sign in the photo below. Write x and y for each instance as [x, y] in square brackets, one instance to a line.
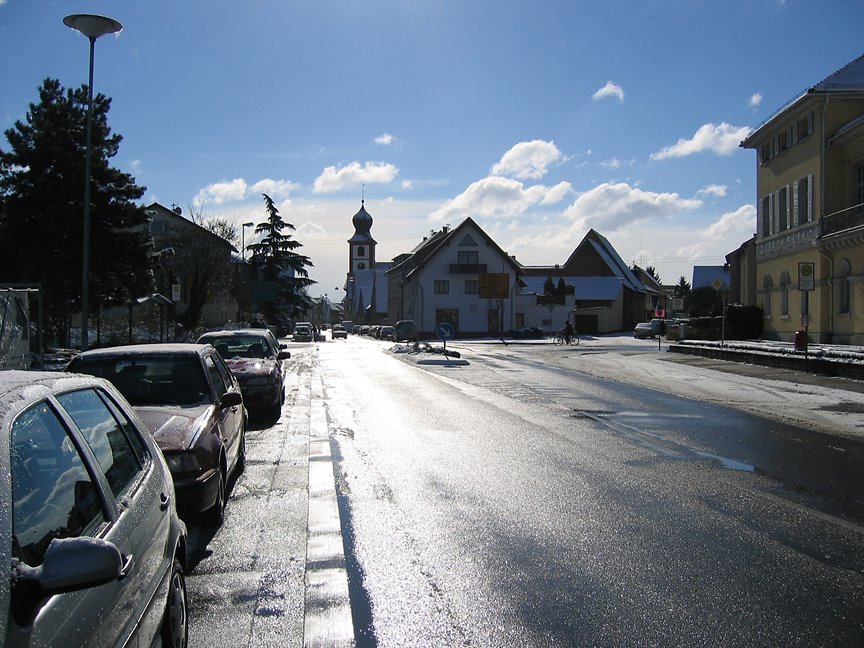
[445, 331]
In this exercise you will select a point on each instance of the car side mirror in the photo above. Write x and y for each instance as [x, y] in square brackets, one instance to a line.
[70, 564]
[231, 399]
[284, 355]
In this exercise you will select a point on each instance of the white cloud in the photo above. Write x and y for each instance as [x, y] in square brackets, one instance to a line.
[739, 224]
[712, 190]
[276, 189]
[611, 89]
[407, 185]
[497, 197]
[136, 165]
[221, 192]
[615, 206]
[385, 139]
[528, 160]
[722, 236]
[722, 139]
[614, 163]
[337, 178]
[755, 100]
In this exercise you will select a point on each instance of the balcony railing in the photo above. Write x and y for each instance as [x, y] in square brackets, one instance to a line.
[842, 220]
[467, 268]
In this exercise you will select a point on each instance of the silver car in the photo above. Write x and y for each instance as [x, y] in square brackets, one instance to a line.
[87, 519]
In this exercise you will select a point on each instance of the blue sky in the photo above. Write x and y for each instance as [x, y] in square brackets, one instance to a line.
[539, 119]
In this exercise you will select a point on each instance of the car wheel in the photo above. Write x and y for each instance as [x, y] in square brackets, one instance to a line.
[216, 514]
[175, 624]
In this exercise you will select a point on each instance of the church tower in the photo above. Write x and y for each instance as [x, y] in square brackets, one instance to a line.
[361, 246]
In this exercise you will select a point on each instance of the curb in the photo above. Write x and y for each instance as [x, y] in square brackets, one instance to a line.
[328, 620]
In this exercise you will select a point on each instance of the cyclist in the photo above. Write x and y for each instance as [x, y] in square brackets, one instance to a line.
[568, 332]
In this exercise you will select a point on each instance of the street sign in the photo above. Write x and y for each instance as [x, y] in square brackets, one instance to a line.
[494, 285]
[445, 331]
[175, 292]
[806, 275]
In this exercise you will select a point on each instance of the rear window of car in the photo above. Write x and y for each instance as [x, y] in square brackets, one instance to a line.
[235, 346]
[150, 380]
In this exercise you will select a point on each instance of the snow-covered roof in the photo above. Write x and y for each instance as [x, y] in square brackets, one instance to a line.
[598, 288]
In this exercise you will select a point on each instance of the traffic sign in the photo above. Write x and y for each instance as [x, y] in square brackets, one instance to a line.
[445, 331]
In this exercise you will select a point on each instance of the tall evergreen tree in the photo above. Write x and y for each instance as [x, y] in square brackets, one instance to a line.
[42, 194]
[278, 264]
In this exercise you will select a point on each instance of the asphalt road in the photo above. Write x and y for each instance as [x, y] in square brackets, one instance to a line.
[511, 501]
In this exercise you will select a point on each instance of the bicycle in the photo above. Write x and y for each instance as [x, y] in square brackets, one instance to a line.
[558, 339]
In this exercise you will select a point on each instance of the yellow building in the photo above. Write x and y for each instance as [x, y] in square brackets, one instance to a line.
[810, 212]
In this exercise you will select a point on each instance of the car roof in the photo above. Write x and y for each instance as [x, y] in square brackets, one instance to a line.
[236, 333]
[172, 348]
[18, 389]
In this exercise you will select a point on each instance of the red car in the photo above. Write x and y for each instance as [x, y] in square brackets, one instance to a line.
[255, 357]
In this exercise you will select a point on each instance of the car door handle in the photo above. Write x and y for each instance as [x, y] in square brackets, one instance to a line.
[126, 568]
[164, 501]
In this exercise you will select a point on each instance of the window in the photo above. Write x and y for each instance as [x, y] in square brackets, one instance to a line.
[803, 202]
[844, 292]
[472, 287]
[859, 185]
[784, 294]
[766, 216]
[361, 251]
[216, 376]
[782, 209]
[119, 459]
[442, 286]
[805, 126]
[767, 285]
[468, 257]
[53, 495]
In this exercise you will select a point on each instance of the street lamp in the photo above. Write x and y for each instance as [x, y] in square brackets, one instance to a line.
[243, 239]
[92, 27]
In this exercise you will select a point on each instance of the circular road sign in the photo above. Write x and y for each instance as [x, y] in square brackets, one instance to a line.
[445, 331]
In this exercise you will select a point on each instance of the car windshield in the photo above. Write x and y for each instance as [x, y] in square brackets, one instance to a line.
[150, 380]
[236, 346]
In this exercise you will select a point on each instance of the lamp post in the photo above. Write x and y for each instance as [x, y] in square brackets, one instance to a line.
[92, 27]
[243, 239]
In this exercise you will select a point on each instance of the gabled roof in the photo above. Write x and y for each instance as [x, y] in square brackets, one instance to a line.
[177, 217]
[614, 262]
[717, 277]
[430, 246]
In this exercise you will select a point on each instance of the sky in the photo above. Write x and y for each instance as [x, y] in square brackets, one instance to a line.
[539, 119]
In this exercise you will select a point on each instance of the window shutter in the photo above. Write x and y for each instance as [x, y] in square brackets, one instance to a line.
[796, 217]
[810, 194]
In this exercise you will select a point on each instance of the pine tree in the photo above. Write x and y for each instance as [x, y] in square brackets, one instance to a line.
[41, 218]
[278, 264]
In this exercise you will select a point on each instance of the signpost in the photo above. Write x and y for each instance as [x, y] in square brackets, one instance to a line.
[445, 331]
[806, 283]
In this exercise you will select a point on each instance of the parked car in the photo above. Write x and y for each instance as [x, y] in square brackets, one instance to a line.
[92, 545]
[643, 330]
[255, 357]
[387, 333]
[363, 330]
[302, 334]
[405, 330]
[338, 331]
[192, 404]
[527, 333]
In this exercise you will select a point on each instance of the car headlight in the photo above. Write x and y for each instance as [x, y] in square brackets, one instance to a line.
[183, 462]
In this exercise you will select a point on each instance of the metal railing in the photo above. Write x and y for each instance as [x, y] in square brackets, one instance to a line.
[842, 220]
